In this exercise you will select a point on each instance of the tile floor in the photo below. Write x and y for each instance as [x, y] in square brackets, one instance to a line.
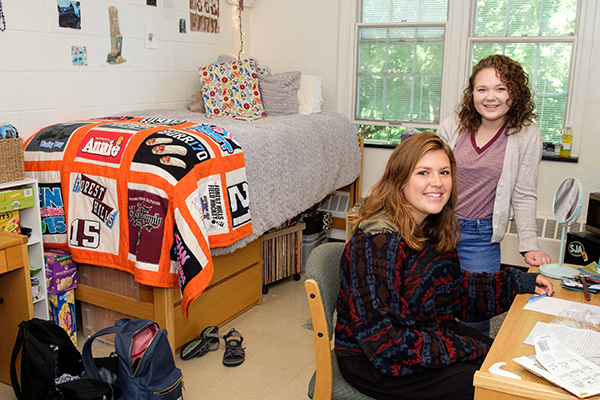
[280, 353]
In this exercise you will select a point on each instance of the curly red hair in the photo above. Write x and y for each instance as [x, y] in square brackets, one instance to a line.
[510, 72]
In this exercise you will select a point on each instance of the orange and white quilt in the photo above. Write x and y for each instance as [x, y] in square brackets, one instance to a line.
[150, 196]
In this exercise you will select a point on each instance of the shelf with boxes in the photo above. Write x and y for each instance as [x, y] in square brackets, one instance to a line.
[20, 213]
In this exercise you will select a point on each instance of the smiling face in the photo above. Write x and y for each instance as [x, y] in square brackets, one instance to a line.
[490, 96]
[429, 186]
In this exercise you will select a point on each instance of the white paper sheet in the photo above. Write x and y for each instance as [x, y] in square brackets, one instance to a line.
[553, 306]
[582, 341]
[567, 369]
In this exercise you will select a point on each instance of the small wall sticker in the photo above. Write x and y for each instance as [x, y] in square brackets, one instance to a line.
[79, 55]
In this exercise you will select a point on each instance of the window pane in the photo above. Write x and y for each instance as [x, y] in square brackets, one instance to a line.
[547, 65]
[370, 97]
[405, 65]
[399, 93]
[404, 10]
[427, 99]
[525, 17]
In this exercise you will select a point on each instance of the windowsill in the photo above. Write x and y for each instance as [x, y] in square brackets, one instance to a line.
[561, 159]
[390, 145]
[382, 145]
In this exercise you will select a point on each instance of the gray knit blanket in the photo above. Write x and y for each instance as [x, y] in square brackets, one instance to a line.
[292, 162]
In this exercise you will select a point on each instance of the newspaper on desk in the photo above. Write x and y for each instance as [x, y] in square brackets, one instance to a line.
[563, 367]
[584, 342]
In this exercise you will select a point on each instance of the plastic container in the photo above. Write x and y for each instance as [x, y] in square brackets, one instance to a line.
[567, 139]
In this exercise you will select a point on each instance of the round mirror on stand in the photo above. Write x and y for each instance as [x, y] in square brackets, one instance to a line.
[566, 207]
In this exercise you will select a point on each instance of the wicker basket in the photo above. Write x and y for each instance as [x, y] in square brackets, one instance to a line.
[11, 160]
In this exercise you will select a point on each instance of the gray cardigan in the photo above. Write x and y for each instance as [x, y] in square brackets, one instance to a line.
[517, 184]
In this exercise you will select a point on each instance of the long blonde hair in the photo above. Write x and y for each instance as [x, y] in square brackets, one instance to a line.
[387, 196]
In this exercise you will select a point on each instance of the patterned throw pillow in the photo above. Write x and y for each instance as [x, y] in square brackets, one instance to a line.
[231, 90]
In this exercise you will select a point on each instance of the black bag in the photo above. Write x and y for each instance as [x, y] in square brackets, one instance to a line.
[47, 354]
[146, 364]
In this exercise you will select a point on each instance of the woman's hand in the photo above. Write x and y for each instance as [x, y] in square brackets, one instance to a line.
[543, 285]
[536, 258]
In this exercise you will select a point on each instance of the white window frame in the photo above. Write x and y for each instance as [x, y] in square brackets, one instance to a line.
[456, 61]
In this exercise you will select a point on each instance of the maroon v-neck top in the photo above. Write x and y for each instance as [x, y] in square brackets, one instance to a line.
[478, 172]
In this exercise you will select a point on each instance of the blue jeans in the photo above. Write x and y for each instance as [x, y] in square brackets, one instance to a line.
[478, 254]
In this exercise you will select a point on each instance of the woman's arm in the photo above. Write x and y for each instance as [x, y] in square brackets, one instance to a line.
[524, 193]
[492, 294]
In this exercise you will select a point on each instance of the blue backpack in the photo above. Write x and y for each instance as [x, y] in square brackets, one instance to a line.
[146, 364]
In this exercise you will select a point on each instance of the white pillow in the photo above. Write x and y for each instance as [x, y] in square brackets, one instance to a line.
[310, 99]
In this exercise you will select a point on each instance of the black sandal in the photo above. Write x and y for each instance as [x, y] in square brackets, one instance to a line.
[234, 352]
[207, 341]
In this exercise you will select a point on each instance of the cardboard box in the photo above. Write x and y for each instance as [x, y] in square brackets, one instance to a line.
[582, 248]
[10, 221]
[61, 271]
[62, 312]
[16, 199]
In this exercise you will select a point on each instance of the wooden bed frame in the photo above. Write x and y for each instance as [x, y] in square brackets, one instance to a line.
[236, 286]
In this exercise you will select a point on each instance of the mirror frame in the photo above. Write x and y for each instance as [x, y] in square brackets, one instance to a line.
[570, 220]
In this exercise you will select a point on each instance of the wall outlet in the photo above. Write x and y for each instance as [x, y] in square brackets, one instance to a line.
[247, 3]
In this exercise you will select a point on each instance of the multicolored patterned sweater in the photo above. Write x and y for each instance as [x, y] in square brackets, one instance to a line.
[396, 305]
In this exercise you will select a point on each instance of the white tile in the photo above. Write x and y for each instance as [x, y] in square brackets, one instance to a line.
[170, 87]
[46, 52]
[195, 390]
[254, 379]
[10, 52]
[286, 355]
[27, 15]
[155, 60]
[26, 91]
[97, 89]
[297, 389]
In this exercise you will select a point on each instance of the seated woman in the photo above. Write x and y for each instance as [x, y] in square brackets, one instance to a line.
[402, 288]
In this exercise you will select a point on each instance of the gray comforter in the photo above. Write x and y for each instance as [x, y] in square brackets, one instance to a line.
[292, 161]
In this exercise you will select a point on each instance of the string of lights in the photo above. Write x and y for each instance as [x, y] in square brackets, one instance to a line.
[240, 9]
[3, 19]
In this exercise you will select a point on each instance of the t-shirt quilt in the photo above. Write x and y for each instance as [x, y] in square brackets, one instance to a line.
[145, 195]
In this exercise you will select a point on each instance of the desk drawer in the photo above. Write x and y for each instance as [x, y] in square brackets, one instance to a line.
[11, 258]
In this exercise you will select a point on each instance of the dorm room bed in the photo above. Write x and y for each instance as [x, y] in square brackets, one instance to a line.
[289, 164]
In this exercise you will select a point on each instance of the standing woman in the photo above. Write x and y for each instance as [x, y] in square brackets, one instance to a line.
[402, 287]
[498, 149]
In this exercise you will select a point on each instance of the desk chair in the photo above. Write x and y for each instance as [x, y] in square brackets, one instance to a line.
[322, 288]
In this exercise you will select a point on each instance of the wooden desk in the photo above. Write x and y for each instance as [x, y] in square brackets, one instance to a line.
[509, 344]
[15, 290]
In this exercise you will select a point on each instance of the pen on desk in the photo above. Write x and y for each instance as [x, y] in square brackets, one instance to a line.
[586, 292]
[537, 296]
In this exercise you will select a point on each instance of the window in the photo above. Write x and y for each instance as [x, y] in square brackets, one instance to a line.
[540, 34]
[400, 48]
[403, 44]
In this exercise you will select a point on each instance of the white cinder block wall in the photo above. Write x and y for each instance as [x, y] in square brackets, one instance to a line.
[40, 86]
